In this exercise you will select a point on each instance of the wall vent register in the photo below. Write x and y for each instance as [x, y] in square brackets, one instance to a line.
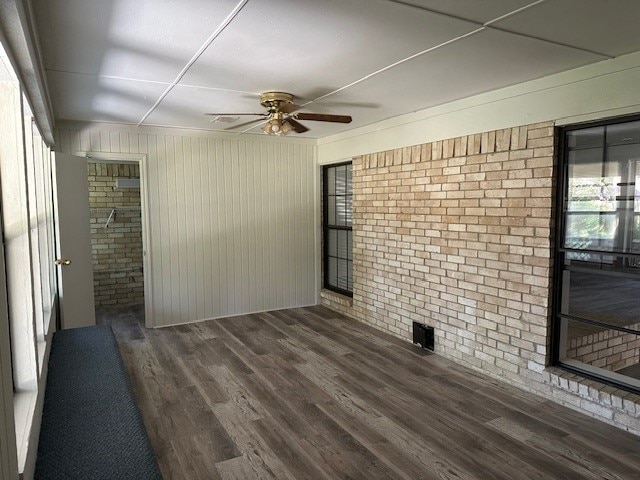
[423, 335]
[127, 182]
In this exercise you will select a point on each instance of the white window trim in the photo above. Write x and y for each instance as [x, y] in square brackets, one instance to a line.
[8, 449]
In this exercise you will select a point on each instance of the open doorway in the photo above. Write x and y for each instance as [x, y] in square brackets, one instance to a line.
[118, 241]
[116, 237]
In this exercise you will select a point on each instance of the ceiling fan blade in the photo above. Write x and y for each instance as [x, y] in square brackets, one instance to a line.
[245, 124]
[236, 114]
[321, 117]
[297, 126]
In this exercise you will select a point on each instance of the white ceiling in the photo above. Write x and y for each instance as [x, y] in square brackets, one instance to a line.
[167, 62]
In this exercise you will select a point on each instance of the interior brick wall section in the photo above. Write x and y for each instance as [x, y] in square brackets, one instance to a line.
[609, 349]
[116, 249]
[458, 234]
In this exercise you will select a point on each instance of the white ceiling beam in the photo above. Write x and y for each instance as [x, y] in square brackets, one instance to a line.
[490, 24]
[225, 23]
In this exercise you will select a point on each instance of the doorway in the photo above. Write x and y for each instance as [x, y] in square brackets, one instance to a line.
[597, 327]
[116, 235]
[117, 224]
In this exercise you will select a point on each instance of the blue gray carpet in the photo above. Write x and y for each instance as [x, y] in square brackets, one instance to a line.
[91, 425]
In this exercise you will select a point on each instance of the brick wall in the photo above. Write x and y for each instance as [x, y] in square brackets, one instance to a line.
[116, 249]
[336, 301]
[609, 349]
[458, 234]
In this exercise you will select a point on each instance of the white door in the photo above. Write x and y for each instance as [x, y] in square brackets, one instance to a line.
[73, 234]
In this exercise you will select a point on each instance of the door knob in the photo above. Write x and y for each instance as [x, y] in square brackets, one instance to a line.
[63, 261]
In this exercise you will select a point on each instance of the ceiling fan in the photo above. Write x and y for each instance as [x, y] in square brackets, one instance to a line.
[281, 116]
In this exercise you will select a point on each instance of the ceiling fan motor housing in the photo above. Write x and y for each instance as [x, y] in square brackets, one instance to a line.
[272, 101]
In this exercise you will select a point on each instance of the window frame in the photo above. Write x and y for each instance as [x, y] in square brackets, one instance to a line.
[586, 370]
[26, 328]
[326, 228]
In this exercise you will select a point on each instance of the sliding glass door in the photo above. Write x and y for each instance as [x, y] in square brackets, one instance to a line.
[597, 322]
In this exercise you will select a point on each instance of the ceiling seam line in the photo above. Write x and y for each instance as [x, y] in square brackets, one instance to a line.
[130, 79]
[482, 26]
[111, 77]
[456, 17]
[552, 42]
[513, 12]
[225, 23]
[189, 85]
[435, 12]
[489, 24]
[388, 67]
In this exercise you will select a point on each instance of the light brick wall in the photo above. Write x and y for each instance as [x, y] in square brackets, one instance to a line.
[116, 249]
[458, 234]
[609, 349]
[337, 302]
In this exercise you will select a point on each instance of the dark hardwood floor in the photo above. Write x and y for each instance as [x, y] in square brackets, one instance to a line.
[307, 394]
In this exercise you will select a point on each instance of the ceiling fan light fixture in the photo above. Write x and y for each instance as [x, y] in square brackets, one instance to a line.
[277, 126]
[270, 128]
[285, 128]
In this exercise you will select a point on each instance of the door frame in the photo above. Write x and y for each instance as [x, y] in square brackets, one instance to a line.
[141, 160]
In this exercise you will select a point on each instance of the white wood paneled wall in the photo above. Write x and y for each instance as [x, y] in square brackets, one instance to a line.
[232, 220]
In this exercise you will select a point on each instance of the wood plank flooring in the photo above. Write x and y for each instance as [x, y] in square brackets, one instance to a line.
[307, 394]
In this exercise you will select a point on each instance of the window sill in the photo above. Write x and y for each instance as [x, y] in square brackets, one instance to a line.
[336, 297]
[24, 405]
[605, 402]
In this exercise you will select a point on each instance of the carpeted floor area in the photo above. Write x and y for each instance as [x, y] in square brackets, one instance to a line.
[91, 425]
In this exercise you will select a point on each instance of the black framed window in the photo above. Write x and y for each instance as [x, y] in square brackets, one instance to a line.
[337, 202]
[597, 299]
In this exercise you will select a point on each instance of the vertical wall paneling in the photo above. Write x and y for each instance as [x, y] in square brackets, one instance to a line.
[183, 225]
[198, 232]
[209, 258]
[318, 226]
[243, 279]
[85, 141]
[133, 143]
[124, 142]
[257, 220]
[220, 243]
[114, 142]
[158, 226]
[295, 151]
[232, 222]
[104, 142]
[287, 191]
[176, 212]
[271, 219]
[147, 238]
[194, 204]
[94, 141]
